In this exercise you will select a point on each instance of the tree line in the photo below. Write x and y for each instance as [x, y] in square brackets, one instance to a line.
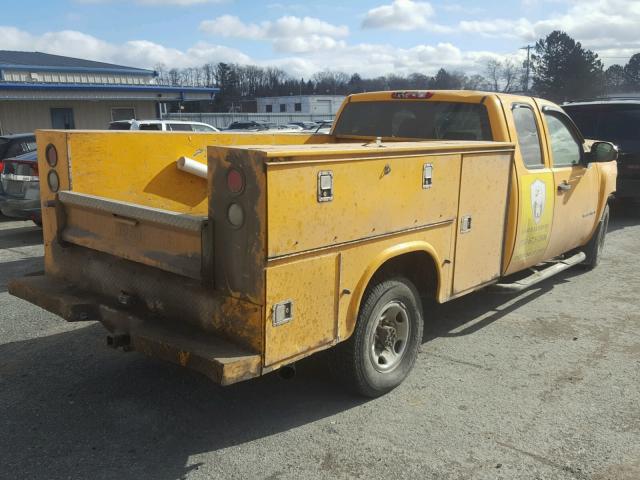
[559, 69]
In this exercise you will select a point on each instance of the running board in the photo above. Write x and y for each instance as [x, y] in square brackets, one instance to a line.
[539, 276]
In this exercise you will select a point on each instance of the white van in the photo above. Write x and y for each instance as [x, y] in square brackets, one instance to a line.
[162, 125]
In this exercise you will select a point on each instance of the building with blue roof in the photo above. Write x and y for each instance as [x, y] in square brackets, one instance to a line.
[40, 90]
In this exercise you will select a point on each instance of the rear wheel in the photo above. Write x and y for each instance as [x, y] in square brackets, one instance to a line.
[383, 348]
[594, 248]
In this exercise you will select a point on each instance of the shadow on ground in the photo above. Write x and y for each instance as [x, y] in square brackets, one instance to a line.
[20, 237]
[18, 269]
[71, 408]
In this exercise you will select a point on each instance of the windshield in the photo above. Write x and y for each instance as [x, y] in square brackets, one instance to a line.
[3, 146]
[425, 120]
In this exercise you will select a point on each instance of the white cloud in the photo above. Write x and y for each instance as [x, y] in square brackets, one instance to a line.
[610, 27]
[370, 60]
[400, 15]
[135, 53]
[287, 34]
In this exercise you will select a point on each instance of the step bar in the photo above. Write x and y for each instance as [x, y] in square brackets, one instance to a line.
[539, 275]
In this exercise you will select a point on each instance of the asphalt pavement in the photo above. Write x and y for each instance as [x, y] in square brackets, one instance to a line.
[542, 385]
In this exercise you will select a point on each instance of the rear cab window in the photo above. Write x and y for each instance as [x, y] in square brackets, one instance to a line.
[432, 120]
[20, 147]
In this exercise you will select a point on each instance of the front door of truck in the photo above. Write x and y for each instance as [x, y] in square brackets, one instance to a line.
[575, 183]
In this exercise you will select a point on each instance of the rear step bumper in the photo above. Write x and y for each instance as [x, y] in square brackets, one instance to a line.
[220, 360]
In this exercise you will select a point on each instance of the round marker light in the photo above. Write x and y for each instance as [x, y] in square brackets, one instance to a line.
[235, 180]
[235, 215]
[53, 181]
[52, 155]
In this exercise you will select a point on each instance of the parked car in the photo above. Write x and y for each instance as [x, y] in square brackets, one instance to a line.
[162, 125]
[616, 121]
[250, 125]
[306, 125]
[21, 186]
[323, 127]
[262, 126]
[13, 145]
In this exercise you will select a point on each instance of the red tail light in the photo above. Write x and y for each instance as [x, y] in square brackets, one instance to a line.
[1, 166]
[52, 155]
[235, 180]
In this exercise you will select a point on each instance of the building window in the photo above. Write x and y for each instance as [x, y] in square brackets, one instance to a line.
[297, 107]
[62, 118]
[268, 108]
[122, 113]
[283, 107]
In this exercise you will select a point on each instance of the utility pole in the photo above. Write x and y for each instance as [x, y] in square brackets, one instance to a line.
[526, 75]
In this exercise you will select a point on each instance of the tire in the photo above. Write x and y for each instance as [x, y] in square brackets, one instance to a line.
[594, 248]
[384, 346]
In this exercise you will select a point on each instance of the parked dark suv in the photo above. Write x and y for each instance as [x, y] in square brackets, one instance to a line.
[617, 121]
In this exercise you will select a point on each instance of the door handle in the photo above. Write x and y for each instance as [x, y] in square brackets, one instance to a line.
[564, 187]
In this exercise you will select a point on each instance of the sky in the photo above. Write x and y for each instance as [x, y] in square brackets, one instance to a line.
[374, 37]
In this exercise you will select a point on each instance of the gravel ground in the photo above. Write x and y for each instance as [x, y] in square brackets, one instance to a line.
[544, 385]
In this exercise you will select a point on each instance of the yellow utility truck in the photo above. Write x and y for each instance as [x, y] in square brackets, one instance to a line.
[236, 255]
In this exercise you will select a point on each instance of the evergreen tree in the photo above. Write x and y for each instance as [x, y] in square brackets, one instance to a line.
[632, 73]
[563, 70]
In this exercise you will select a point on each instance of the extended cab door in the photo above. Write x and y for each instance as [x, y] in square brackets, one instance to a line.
[533, 189]
[575, 184]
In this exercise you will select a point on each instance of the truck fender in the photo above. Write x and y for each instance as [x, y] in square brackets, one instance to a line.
[374, 266]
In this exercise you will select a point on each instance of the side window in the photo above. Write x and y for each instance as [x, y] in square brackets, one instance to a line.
[565, 148]
[528, 137]
[202, 128]
[150, 126]
[180, 127]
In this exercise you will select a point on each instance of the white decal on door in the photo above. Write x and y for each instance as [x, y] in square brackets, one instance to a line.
[538, 195]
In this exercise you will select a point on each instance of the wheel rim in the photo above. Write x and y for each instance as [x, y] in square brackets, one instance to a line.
[389, 336]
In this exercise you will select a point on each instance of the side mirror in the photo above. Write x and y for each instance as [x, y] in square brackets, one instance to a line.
[602, 152]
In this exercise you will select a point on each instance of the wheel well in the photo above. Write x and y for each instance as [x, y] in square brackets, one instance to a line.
[418, 267]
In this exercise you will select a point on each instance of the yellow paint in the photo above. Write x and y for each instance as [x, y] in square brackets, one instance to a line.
[365, 200]
[483, 202]
[311, 284]
[535, 219]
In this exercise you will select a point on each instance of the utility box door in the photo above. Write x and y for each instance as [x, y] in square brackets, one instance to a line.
[305, 292]
[482, 209]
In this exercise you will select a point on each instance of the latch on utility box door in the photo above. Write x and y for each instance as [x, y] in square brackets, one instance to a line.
[325, 186]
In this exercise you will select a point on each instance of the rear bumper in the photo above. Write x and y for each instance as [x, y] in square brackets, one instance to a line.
[220, 360]
[20, 208]
[627, 188]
